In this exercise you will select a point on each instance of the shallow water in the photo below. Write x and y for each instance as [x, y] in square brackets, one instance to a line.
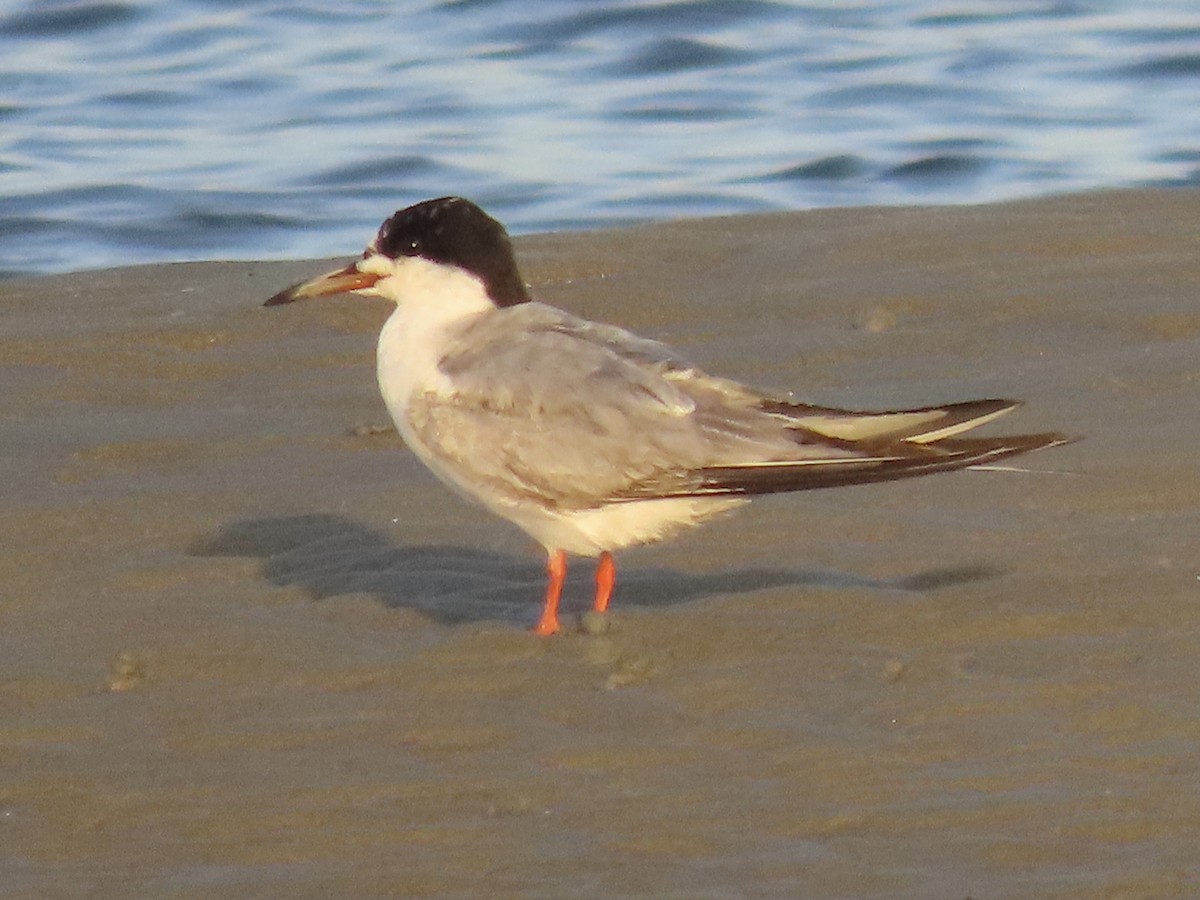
[195, 130]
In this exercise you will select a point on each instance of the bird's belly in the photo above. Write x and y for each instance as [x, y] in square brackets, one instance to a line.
[614, 526]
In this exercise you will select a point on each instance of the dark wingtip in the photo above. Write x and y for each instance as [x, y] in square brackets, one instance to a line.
[287, 295]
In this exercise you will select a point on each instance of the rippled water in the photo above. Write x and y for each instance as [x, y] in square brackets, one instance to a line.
[136, 131]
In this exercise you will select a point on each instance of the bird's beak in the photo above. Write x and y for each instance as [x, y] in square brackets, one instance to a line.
[341, 281]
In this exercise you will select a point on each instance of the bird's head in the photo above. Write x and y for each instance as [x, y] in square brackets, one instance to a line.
[442, 248]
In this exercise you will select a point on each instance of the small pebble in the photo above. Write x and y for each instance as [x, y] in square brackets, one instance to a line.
[966, 664]
[125, 672]
[629, 670]
[595, 624]
[360, 431]
[894, 669]
[876, 320]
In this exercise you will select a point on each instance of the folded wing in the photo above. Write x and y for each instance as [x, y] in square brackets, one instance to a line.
[553, 409]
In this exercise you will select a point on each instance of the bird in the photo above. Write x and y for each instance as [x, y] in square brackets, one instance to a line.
[587, 436]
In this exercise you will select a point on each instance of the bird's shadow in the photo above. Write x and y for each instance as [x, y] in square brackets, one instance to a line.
[328, 556]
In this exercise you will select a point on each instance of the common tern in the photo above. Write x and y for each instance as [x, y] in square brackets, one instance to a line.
[589, 437]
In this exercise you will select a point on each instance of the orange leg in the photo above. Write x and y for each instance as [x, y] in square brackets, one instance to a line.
[606, 577]
[556, 569]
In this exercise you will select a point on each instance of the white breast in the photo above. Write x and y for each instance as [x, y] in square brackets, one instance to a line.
[431, 301]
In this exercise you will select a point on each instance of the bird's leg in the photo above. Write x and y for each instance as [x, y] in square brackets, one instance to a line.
[606, 577]
[556, 570]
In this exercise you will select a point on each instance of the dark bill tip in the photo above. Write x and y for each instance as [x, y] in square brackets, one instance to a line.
[287, 295]
[341, 281]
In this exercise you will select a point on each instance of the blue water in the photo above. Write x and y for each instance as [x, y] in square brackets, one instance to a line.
[197, 129]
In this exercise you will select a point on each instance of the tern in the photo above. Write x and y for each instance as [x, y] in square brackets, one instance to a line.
[587, 436]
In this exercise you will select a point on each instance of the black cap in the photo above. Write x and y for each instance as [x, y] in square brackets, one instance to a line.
[456, 232]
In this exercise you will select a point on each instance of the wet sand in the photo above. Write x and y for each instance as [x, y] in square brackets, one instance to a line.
[250, 648]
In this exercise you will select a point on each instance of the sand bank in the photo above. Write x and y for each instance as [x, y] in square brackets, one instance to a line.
[248, 646]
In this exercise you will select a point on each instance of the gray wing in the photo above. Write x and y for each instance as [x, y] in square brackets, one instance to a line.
[555, 409]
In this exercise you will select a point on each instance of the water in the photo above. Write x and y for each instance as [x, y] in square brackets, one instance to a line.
[195, 129]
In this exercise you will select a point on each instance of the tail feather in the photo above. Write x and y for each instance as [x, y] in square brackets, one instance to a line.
[918, 426]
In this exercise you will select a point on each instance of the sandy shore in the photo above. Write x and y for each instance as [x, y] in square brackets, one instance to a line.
[250, 648]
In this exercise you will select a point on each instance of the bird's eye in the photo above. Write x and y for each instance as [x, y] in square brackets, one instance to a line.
[415, 246]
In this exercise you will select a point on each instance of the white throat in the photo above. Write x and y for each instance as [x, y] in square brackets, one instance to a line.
[431, 301]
